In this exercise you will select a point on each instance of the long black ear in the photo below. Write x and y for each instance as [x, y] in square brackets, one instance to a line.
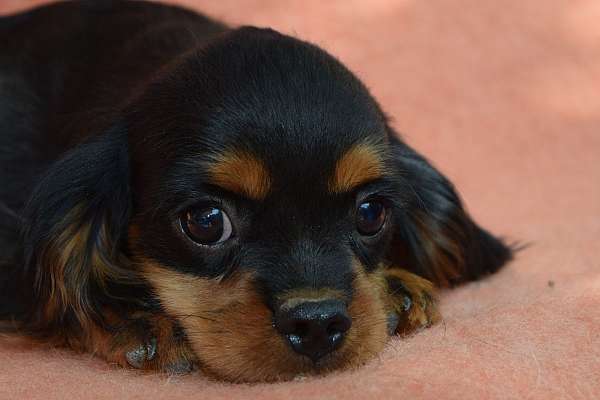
[434, 234]
[75, 222]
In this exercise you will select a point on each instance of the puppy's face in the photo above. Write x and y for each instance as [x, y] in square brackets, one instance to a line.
[264, 203]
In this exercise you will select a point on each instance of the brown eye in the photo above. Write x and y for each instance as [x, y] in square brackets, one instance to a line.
[370, 217]
[207, 226]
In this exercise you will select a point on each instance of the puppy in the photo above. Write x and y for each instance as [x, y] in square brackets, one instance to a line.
[179, 194]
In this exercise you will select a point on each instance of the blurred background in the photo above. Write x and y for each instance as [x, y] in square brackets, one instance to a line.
[478, 86]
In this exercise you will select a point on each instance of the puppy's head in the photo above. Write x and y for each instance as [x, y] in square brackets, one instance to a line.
[264, 196]
[263, 203]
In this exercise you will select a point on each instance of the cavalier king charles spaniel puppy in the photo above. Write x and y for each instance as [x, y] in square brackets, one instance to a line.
[178, 194]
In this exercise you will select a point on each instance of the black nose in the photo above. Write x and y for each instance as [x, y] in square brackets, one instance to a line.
[314, 328]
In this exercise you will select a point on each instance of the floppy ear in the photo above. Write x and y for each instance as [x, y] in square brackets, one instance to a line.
[75, 221]
[434, 234]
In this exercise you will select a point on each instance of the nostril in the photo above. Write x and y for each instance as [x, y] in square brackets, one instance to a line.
[301, 328]
[338, 324]
[337, 327]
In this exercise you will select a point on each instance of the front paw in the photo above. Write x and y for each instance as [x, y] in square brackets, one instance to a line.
[146, 341]
[412, 301]
[162, 347]
[171, 361]
[142, 354]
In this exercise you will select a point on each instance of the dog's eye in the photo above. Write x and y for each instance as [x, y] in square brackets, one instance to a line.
[370, 217]
[207, 226]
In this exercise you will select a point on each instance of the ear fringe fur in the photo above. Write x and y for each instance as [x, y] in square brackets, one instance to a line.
[435, 235]
[77, 261]
[75, 223]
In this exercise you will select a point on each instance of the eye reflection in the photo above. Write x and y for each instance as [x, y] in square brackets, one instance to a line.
[370, 217]
[207, 226]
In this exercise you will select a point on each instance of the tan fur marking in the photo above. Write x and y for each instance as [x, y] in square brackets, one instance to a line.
[127, 334]
[227, 324]
[423, 311]
[69, 267]
[368, 334]
[360, 164]
[242, 173]
[443, 248]
[232, 333]
[64, 271]
[292, 298]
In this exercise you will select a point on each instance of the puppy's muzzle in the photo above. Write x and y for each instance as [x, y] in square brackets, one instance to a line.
[314, 328]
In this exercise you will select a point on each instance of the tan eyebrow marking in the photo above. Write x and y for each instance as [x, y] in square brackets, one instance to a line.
[292, 298]
[360, 164]
[242, 173]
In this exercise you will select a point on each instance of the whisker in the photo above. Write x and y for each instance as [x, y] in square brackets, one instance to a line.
[10, 212]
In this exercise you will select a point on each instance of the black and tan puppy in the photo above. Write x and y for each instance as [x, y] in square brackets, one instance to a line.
[175, 193]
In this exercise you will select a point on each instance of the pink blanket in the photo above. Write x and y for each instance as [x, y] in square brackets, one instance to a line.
[504, 97]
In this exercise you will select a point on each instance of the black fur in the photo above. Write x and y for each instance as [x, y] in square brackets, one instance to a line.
[451, 237]
[110, 109]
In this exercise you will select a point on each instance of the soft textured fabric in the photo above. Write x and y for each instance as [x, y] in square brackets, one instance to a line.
[504, 97]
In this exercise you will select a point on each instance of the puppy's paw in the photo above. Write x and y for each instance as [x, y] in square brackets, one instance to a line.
[142, 354]
[412, 301]
[145, 341]
[144, 357]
